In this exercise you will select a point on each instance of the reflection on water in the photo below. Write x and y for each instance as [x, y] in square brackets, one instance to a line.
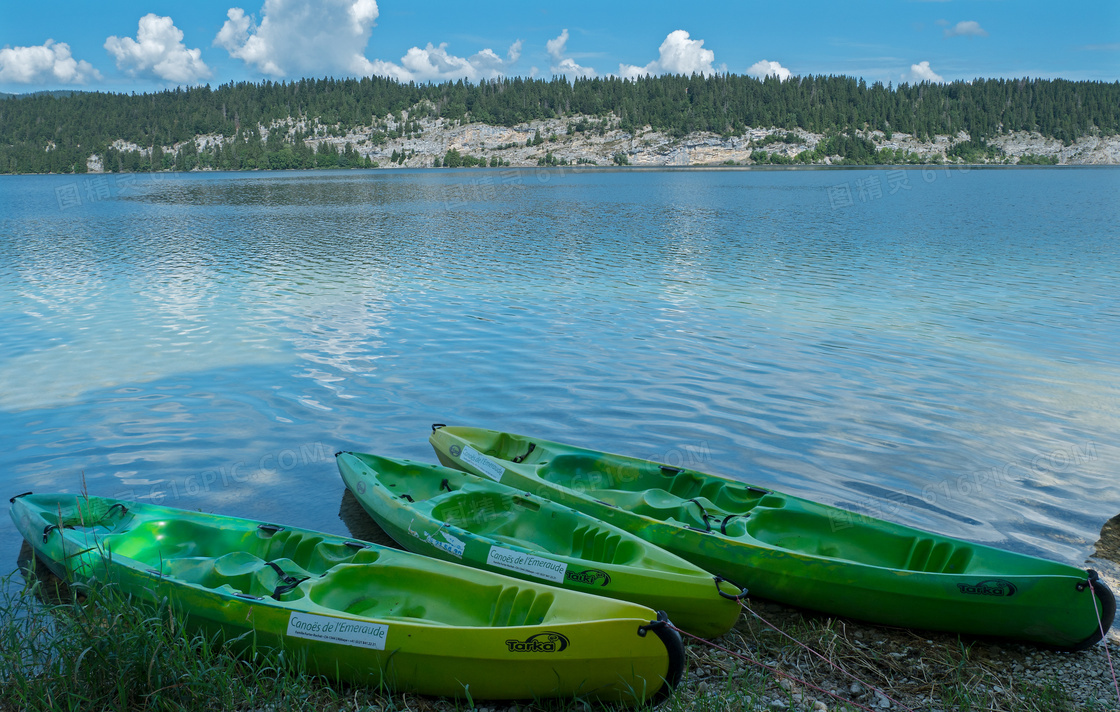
[944, 356]
[360, 524]
[48, 588]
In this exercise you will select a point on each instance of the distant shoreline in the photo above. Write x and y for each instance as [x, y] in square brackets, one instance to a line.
[959, 167]
[666, 121]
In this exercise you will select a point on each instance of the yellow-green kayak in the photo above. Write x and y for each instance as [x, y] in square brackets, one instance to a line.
[456, 516]
[358, 611]
[797, 551]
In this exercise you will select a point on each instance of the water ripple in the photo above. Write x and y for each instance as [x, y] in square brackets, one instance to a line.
[943, 357]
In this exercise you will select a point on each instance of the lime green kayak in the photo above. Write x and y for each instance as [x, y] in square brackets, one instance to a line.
[357, 611]
[800, 552]
[451, 515]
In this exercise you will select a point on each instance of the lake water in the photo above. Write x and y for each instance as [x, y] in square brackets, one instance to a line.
[940, 347]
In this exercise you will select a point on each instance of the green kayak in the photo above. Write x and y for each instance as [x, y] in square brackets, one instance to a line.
[357, 611]
[800, 552]
[452, 515]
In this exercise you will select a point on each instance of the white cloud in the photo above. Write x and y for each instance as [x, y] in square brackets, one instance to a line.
[158, 50]
[560, 64]
[921, 72]
[297, 37]
[678, 55]
[234, 38]
[329, 37]
[491, 64]
[681, 55]
[48, 62]
[965, 28]
[764, 68]
[436, 63]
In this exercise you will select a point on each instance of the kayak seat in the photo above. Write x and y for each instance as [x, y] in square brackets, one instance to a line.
[156, 541]
[662, 505]
[734, 498]
[597, 544]
[326, 555]
[476, 511]
[291, 545]
[236, 572]
[582, 472]
[656, 503]
[850, 539]
[310, 551]
[405, 590]
[938, 557]
[810, 533]
[515, 606]
[686, 485]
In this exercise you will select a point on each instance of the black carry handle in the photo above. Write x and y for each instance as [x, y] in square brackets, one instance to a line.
[664, 629]
[737, 597]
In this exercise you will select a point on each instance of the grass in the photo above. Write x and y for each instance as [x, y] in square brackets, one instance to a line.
[921, 670]
[99, 651]
[69, 649]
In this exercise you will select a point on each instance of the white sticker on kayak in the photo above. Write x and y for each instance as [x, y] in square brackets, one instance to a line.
[453, 545]
[338, 630]
[546, 569]
[476, 459]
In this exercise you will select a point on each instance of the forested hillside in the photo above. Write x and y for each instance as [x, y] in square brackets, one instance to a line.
[57, 133]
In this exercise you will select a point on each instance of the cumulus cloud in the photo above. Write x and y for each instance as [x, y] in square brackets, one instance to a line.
[436, 63]
[921, 72]
[301, 36]
[320, 37]
[764, 68]
[965, 28]
[678, 55]
[48, 62]
[158, 51]
[559, 64]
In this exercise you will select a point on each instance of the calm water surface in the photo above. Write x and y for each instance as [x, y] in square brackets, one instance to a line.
[939, 348]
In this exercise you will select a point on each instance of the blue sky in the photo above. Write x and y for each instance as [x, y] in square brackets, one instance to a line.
[144, 45]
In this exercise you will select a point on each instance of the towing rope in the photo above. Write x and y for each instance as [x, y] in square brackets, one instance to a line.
[778, 672]
[1104, 639]
[836, 667]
